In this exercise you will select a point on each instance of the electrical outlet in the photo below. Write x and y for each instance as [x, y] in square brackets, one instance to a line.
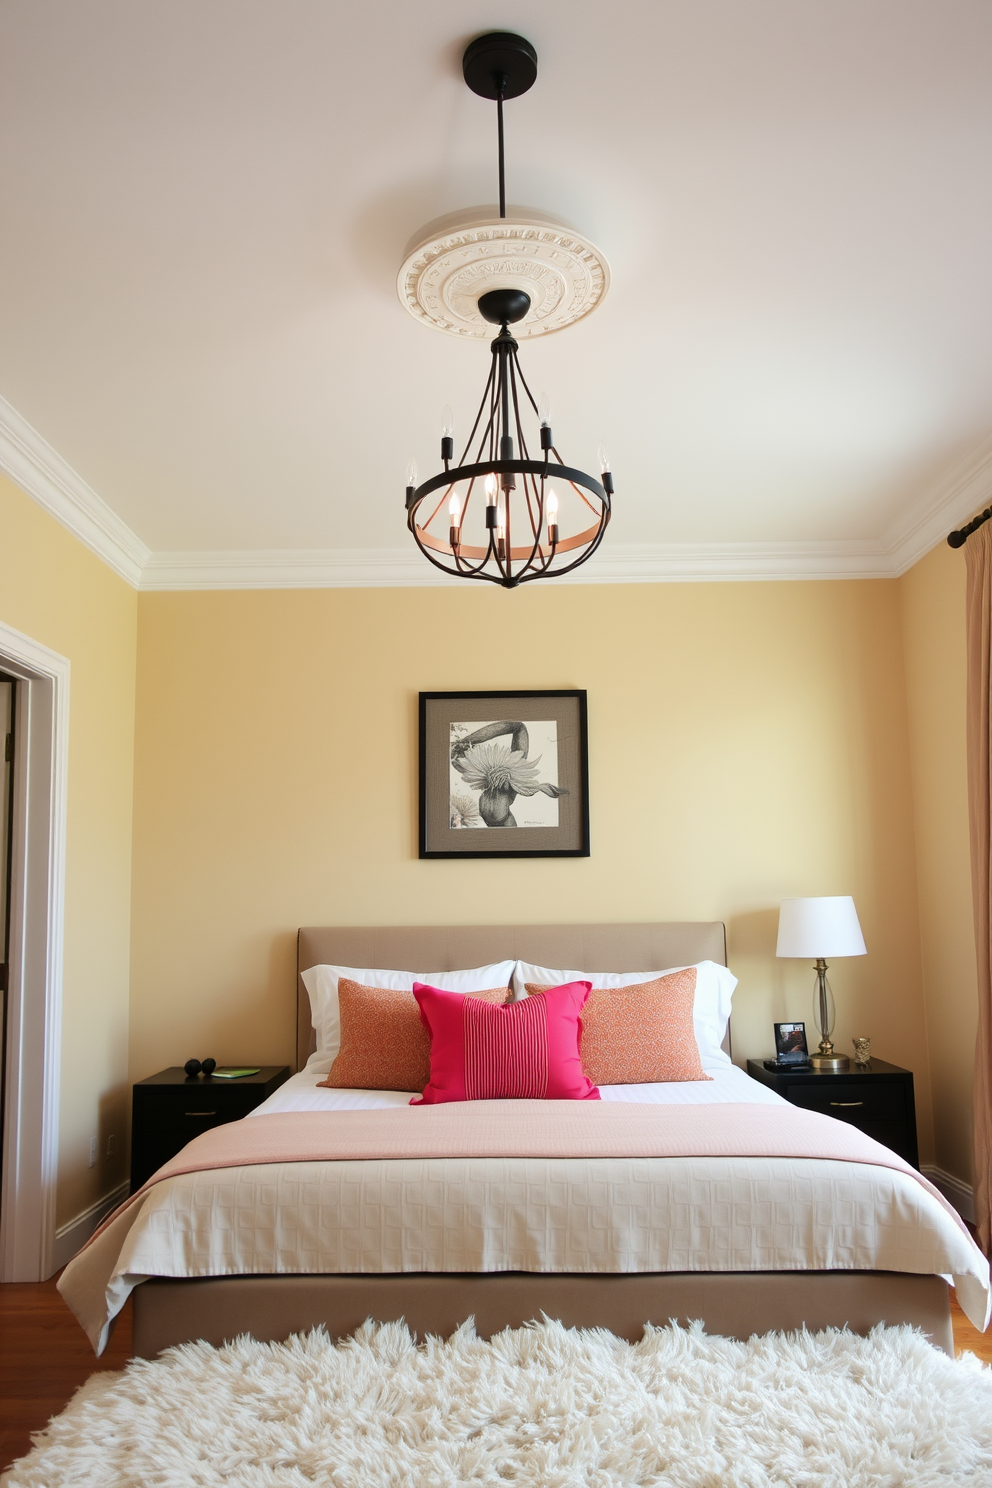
[111, 1144]
[92, 1152]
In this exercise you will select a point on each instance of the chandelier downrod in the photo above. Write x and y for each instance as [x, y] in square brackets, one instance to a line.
[499, 134]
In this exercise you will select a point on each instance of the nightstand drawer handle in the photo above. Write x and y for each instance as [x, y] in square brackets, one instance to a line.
[214, 1113]
[847, 1103]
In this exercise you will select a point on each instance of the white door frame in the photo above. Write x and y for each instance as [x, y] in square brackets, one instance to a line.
[34, 997]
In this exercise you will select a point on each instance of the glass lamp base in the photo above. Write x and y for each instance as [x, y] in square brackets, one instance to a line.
[826, 1060]
[829, 1063]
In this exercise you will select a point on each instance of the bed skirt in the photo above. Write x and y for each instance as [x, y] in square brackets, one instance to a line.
[735, 1304]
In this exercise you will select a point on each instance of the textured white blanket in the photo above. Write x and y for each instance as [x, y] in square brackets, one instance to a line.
[722, 1212]
[526, 1214]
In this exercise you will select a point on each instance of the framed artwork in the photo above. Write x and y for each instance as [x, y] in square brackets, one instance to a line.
[504, 775]
[790, 1043]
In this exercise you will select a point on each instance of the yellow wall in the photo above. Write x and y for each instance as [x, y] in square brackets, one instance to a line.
[54, 590]
[747, 741]
[934, 633]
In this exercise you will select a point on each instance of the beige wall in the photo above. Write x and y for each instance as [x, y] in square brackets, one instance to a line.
[747, 741]
[54, 590]
[934, 631]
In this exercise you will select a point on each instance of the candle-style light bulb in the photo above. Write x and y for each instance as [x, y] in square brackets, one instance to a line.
[491, 510]
[551, 504]
[501, 528]
[447, 434]
[455, 509]
[411, 474]
[544, 414]
[604, 466]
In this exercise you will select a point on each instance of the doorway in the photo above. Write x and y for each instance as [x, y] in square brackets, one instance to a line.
[8, 695]
[34, 714]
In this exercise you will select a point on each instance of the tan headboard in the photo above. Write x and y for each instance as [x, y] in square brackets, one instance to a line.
[456, 947]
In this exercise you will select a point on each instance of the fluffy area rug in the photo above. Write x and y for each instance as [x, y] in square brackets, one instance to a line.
[535, 1407]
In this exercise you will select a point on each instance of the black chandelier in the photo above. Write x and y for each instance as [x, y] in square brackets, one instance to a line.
[502, 507]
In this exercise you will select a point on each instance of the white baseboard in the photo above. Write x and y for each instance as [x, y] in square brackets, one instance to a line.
[70, 1238]
[955, 1190]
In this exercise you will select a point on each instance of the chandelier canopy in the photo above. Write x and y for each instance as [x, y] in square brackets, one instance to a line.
[503, 513]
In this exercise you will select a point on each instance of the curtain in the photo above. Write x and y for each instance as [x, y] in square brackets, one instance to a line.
[978, 555]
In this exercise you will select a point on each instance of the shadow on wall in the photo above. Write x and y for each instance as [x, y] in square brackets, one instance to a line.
[760, 999]
[110, 1131]
[262, 987]
[112, 1136]
[282, 985]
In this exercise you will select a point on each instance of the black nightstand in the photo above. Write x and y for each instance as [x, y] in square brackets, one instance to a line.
[170, 1109]
[878, 1099]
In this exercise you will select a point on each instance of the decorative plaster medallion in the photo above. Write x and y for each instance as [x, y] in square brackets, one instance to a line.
[458, 258]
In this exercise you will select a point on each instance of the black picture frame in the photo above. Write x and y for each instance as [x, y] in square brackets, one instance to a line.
[555, 715]
[790, 1043]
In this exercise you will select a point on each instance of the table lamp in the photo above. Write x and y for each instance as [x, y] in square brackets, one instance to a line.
[818, 928]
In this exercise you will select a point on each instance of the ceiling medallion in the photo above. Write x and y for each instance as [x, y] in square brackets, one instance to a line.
[510, 518]
[458, 258]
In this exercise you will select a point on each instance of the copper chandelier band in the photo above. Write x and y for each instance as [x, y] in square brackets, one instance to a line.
[517, 555]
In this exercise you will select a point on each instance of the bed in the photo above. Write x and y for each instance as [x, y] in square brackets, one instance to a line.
[748, 1244]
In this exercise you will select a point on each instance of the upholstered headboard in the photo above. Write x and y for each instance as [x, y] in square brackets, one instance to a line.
[455, 947]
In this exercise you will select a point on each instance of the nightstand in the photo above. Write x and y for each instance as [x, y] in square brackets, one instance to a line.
[878, 1099]
[170, 1109]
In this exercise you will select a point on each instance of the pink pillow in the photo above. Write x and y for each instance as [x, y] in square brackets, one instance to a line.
[520, 1051]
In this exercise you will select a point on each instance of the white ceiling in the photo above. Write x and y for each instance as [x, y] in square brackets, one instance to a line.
[205, 203]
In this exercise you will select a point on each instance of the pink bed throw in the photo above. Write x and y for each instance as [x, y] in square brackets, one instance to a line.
[521, 1128]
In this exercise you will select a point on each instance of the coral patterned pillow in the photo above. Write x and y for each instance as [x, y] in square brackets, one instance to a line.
[525, 1050]
[384, 1044]
[642, 1034]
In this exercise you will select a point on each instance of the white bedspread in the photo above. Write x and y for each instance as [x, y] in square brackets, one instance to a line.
[728, 1083]
[533, 1214]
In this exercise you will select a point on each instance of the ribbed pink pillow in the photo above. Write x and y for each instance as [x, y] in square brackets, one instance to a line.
[520, 1051]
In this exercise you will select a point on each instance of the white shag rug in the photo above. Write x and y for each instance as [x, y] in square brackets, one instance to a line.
[535, 1407]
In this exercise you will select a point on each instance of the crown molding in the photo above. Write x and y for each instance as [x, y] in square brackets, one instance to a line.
[404, 568]
[32, 463]
[963, 490]
[966, 488]
[290, 568]
[42, 474]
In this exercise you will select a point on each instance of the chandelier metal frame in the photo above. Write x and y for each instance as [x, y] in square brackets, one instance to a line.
[500, 66]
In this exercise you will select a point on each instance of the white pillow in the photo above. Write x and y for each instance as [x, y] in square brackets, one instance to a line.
[710, 1009]
[321, 983]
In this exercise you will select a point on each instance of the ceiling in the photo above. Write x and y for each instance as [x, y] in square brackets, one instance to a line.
[205, 204]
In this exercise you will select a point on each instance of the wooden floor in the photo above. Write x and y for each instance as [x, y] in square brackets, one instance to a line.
[968, 1339]
[45, 1357]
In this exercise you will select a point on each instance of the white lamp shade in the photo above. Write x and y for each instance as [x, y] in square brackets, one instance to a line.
[825, 927]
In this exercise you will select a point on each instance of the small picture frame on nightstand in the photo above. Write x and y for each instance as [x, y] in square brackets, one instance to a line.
[790, 1044]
